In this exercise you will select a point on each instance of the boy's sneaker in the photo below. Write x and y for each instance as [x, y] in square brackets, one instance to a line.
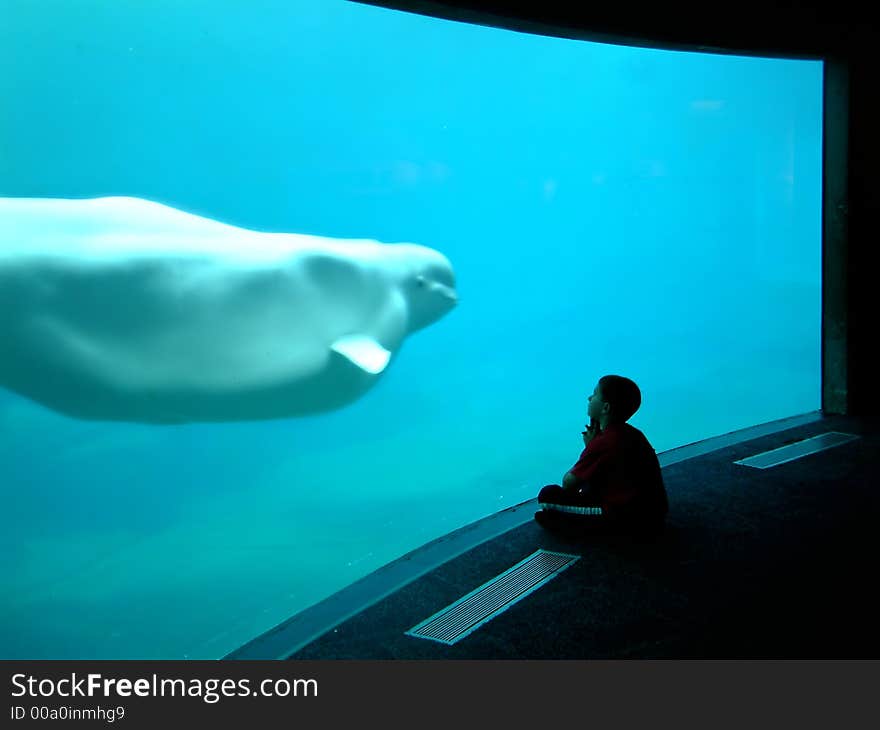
[560, 523]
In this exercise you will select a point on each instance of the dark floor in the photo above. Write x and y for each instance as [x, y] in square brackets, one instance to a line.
[776, 563]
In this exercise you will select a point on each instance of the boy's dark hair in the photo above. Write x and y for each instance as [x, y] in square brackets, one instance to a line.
[622, 395]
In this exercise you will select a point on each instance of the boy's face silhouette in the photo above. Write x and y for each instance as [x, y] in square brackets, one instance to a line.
[596, 407]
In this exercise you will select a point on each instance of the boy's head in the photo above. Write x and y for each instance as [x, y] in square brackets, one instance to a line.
[616, 397]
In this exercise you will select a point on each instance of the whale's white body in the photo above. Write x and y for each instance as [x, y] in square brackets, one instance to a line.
[127, 309]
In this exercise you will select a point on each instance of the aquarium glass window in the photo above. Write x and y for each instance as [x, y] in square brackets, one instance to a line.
[602, 208]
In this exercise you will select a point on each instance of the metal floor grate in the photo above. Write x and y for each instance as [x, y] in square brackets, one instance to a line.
[469, 612]
[797, 450]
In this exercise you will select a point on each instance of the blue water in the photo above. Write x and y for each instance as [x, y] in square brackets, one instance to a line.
[607, 209]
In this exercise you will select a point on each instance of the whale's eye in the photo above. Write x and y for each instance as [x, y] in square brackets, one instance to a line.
[420, 281]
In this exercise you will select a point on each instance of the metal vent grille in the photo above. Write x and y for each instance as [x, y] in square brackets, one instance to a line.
[797, 450]
[469, 612]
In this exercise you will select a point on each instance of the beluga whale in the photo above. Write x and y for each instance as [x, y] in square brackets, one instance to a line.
[126, 309]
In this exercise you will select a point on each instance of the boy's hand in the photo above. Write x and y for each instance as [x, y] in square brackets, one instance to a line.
[590, 433]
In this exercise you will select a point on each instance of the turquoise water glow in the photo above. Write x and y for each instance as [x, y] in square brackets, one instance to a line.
[607, 210]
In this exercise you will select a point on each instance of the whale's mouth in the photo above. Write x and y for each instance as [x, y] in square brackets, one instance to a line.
[446, 292]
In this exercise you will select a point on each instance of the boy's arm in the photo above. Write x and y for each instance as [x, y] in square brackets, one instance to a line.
[569, 480]
[571, 483]
[575, 481]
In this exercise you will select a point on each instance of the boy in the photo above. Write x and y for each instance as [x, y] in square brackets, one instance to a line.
[616, 485]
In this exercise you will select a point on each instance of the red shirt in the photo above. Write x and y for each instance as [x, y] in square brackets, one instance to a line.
[621, 472]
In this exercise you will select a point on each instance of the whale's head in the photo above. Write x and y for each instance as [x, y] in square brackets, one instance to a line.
[427, 282]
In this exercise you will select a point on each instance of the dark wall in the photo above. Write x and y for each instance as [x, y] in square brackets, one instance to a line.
[864, 224]
[841, 29]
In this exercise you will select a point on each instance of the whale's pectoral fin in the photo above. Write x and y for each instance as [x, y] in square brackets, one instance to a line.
[364, 352]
